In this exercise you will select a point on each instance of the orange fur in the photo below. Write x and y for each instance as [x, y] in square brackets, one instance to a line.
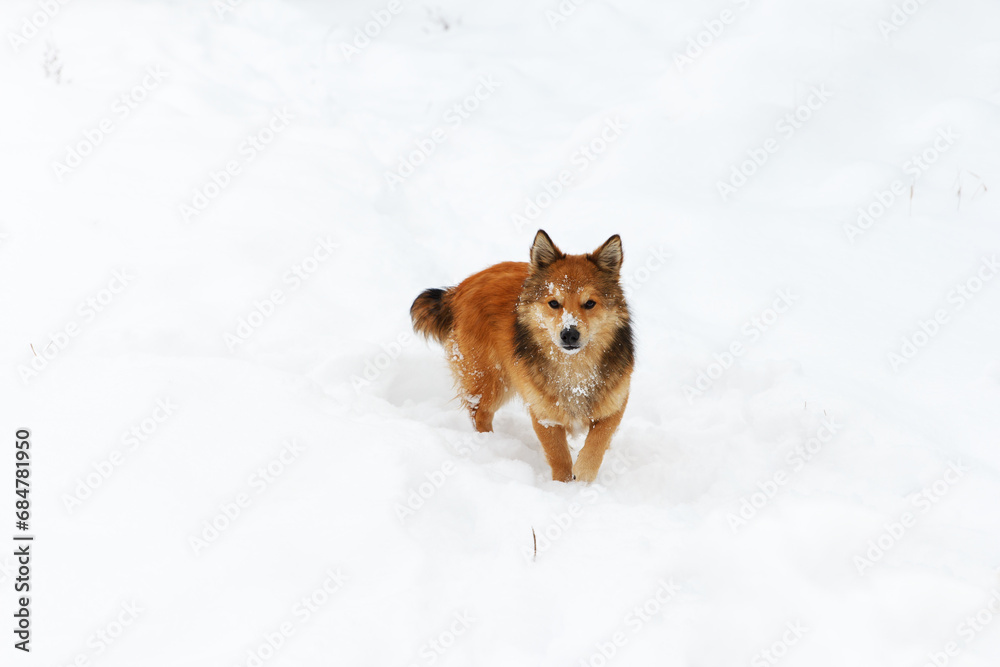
[570, 364]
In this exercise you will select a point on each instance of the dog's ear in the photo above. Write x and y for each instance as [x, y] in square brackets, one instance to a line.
[543, 251]
[609, 256]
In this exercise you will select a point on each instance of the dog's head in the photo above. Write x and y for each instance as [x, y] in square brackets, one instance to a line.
[574, 301]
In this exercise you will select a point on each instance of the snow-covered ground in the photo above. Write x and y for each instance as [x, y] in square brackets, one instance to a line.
[215, 215]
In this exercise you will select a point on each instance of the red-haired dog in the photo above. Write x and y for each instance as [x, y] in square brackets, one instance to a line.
[555, 331]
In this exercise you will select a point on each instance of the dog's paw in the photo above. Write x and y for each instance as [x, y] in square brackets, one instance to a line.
[584, 473]
[562, 476]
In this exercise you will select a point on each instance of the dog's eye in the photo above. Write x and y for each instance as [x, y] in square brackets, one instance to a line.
[553, 304]
[590, 304]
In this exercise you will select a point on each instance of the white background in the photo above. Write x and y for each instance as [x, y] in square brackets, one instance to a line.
[332, 367]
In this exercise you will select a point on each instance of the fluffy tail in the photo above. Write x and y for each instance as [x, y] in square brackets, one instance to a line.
[431, 314]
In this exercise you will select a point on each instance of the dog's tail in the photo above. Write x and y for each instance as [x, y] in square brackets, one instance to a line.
[431, 313]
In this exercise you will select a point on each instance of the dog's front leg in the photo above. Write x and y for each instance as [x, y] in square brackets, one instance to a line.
[588, 461]
[553, 439]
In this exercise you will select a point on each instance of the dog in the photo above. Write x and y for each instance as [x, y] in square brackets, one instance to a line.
[555, 331]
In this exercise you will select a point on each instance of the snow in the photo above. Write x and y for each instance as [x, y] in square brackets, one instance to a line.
[568, 320]
[219, 292]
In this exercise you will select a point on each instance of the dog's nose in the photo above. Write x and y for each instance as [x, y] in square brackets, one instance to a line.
[570, 336]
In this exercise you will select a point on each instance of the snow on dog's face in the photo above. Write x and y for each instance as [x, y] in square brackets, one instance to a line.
[573, 303]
